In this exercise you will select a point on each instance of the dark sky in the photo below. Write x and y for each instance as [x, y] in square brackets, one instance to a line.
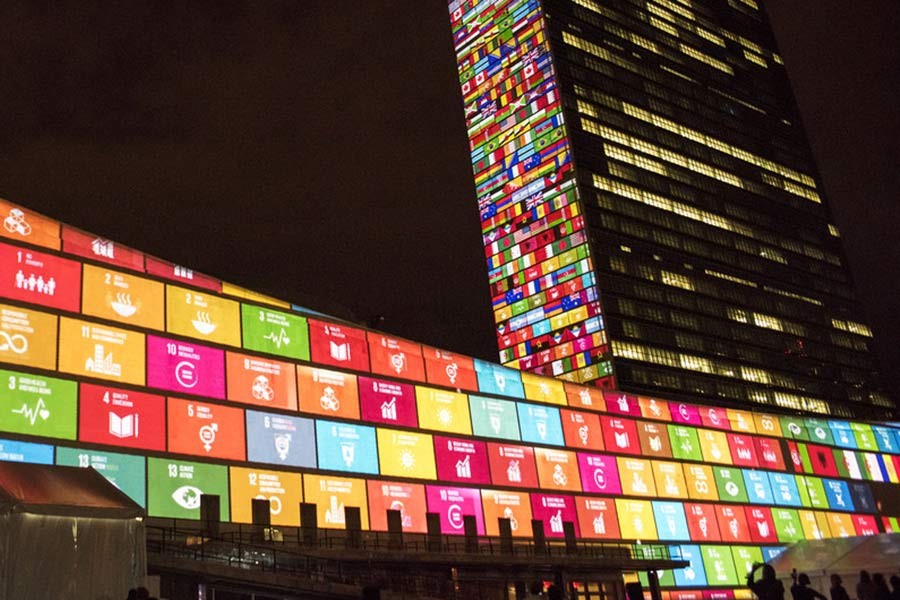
[316, 149]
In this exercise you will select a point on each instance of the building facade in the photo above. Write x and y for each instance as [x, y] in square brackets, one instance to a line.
[174, 384]
[651, 211]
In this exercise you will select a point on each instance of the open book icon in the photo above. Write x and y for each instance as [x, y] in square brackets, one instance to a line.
[340, 351]
[123, 427]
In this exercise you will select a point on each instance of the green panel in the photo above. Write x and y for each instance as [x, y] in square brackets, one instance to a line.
[865, 438]
[174, 488]
[494, 418]
[745, 557]
[730, 482]
[36, 405]
[685, 444]
[125, 471]
[820, 432]
[794, 427]
[787, 525]
[804, 492]
[815, 490]
[719, 565]
[274, 332]
[804, 458]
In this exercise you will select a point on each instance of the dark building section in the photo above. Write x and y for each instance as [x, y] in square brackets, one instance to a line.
[716, 260]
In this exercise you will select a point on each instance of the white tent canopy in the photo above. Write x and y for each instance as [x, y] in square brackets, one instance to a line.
[845, 556]
[67, 532]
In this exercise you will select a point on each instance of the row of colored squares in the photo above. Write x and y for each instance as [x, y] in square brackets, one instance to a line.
[49, 407]
[111, 353]
[92, 350]
[172, 488]
[126, 298]
[46, 407]
[713, 566]
[21, 224]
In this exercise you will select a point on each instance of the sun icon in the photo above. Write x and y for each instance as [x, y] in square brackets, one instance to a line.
[445, 416]
[407, 460]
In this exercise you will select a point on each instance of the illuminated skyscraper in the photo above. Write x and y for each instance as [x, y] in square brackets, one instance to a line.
[651, 212]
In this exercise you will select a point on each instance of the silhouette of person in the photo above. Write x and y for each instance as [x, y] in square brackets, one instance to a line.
[837, 590]
[768, 587]
[802, 591]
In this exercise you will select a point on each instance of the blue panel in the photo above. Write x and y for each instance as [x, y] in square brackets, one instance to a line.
[26, 452]
[886, 438]
[540, 424]
[758, 489]
[771, 552]
[494, 379]
[346, 447]
[671, 523]
[280, 439]
[843, 435]
[693, 575]
[838, 494]
[784, 488]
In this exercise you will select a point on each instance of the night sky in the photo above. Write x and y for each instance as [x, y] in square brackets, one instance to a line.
[316, 150]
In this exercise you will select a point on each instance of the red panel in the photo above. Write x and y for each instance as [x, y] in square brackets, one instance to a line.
[40, 278]
[796, 460]
[206, 430]
[733, 526]
[822, 460]
[450, 370]
[118, 417]
[865, 525]
[512, 465]
[88, 245]
[702, 522]
[743, 450]
[622, 404]
[581, 429]
[761, 525]
[462, 461]
[338, 345]
[395, 357]
[714, 417]
[768, 453]
[174, 272]
[620, 435]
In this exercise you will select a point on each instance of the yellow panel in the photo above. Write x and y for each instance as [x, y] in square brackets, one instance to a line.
[239, 292]
[841, 524]
[715, 446]
[284, 491]
[767, 425]
[636, 476]
[101, 351]
[203, 316]
[544, 389]
[636, 520]
[406, 454]
[27, 337]
[701, 482]
[122, 297]
[442, 410]
[331, 495]
[822, 521]
[741, 420]
[811, 529]
[669, 478]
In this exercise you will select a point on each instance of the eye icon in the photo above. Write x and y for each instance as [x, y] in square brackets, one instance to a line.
[187, 497]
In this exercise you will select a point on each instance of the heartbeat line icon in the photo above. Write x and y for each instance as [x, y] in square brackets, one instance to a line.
[278, 338]
[32, 414]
